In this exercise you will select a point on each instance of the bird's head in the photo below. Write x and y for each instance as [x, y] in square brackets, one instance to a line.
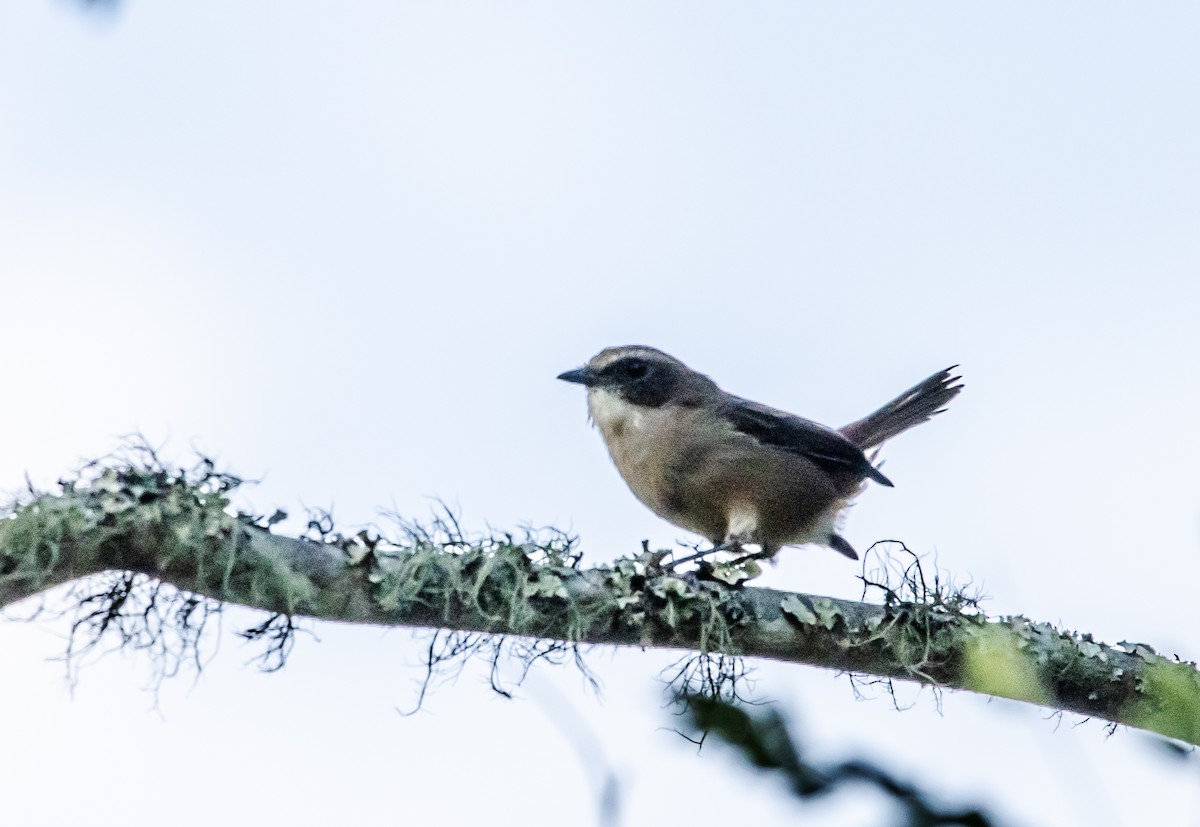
[642, 376]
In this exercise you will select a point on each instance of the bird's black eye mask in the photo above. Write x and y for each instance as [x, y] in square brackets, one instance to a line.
[629, 369]
[640, 381]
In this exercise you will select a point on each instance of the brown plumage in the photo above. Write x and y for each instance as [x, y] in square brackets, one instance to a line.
[732, 470]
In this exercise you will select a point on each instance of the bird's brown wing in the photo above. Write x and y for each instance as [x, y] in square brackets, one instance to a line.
[797, 435]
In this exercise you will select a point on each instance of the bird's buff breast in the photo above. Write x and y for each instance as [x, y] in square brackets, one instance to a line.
[646, 445]
[640, 441]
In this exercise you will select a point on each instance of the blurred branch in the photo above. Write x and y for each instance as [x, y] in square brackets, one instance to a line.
[134, 515]
[764, 741]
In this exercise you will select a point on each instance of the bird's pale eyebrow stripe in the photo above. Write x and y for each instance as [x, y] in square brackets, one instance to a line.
[607, 358]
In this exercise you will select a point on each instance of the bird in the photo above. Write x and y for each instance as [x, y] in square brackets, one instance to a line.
[733, 471]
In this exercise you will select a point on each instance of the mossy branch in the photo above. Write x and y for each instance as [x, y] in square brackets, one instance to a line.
[140, 518]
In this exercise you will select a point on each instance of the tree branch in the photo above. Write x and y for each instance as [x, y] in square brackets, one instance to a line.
[176, 526]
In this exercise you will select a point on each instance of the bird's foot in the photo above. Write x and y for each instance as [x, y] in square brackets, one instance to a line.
[700, 555]
[765, 554]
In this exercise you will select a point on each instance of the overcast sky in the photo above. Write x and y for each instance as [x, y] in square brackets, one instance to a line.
[347, 247]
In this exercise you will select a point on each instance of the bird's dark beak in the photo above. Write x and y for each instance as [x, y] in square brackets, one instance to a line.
[580, 376]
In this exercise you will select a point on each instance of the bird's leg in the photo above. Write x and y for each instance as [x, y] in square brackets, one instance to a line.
[700, 555]
[765, 553]
[746, 558]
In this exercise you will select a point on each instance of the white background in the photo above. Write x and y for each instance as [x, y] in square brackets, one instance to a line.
[347, 247]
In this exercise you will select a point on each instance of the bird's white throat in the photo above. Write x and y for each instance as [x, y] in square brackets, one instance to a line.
[612, 414]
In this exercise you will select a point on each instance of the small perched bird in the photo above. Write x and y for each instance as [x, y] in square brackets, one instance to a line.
[731, 470]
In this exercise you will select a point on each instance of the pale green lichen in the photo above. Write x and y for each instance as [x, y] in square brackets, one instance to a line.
[32, 541]
[997, 661]
[178, 526]
[523, 588]
[144, 517]
[1168, 699]
[793, 606]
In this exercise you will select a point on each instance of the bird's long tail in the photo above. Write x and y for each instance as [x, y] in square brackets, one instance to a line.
[916, 405]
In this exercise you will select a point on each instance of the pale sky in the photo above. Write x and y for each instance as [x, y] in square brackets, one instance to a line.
[347, 247]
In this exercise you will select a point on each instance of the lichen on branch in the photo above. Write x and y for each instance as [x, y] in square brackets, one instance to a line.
[134, 516]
